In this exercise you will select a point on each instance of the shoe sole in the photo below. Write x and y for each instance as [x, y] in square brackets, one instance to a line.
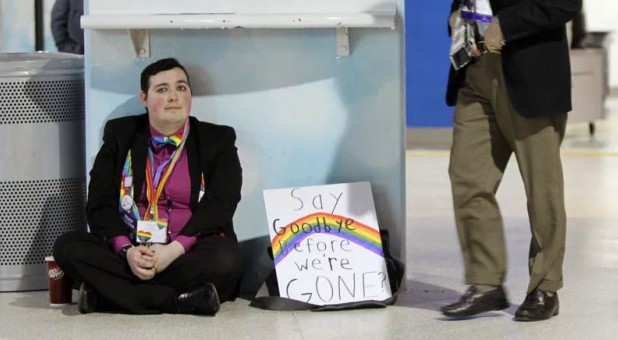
[527, 318]
[216, 295]
[218, 304]
[496, 307]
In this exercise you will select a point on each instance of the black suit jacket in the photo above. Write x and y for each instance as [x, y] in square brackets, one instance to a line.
[210, 150]
[535, 59]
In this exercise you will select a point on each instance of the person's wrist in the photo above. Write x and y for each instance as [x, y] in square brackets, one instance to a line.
[178, 248]
[124, 250]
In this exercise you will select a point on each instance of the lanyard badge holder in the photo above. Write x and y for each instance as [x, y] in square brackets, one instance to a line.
[149, 232]
[151, 229]
[461, 47]
[470, 26]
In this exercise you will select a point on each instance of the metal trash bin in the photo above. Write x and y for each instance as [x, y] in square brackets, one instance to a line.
[42, 161]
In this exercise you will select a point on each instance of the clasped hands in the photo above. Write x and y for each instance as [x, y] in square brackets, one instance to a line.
[146, 262]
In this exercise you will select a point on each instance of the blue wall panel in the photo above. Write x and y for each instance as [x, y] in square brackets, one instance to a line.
[427, 63]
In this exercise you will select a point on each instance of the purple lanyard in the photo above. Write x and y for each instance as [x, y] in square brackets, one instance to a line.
[472, 15]
[161, 167]
[476, 17]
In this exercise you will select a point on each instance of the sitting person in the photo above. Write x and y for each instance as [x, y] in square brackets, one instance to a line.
[171, 170]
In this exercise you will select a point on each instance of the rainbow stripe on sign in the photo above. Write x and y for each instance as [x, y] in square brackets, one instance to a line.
[325, 223]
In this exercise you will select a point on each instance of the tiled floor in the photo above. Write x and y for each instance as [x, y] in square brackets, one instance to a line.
[589, 303]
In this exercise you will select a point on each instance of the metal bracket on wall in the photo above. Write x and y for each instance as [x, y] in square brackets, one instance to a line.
[343, 42]
[140, 38]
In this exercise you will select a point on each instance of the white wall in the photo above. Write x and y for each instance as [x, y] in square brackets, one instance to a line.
[17, 26]
[601, 16]
[50, 45]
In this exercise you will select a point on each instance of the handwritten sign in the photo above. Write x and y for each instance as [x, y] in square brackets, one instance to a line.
[326, 244]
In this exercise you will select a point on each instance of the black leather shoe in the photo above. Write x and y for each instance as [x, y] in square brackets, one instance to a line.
[88, 299]
[202, 300]
[474, 302]
[537, 306]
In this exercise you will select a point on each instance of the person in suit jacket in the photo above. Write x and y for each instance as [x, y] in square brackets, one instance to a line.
[159, 171]
[513, 98]
[65, 26]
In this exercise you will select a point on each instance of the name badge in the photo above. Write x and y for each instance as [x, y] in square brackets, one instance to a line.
[150, 232]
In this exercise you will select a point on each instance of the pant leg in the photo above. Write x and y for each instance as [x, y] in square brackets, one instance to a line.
[537, 148]
[213, 259]
[87, 258]
[479, 155]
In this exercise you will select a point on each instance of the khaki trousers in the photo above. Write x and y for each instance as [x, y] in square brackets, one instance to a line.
[487, 130]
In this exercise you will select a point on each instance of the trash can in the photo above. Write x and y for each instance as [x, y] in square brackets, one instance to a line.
[42, 161]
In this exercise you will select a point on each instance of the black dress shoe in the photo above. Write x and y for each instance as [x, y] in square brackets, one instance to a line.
[88, 300]
[538, 306]
[202, 300]
[474, 302]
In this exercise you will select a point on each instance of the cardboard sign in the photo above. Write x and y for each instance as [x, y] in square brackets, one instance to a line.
[326, 244]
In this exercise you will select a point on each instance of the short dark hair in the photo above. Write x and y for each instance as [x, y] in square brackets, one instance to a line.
[159, 66]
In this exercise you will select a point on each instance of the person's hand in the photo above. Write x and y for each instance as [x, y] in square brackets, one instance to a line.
[452, 20]
[475, 52]
[165, 254]
[494, 39]
[142, 262]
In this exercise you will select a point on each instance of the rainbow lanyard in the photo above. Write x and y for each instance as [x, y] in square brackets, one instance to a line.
[155, 181]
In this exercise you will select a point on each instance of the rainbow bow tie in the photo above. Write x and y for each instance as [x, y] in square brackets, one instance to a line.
[173, 140]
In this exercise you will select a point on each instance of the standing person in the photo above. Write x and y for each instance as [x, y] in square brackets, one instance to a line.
[65, 26]
[183, 175]
[512, 98]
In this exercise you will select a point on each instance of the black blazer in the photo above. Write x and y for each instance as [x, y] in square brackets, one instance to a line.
[210, 149]
[535, 58]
